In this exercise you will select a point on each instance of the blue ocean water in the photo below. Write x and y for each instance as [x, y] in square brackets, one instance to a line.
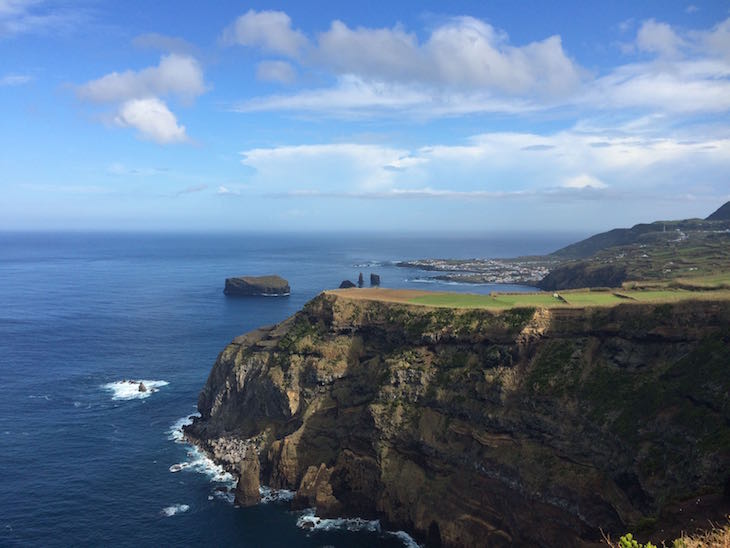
[81, 311]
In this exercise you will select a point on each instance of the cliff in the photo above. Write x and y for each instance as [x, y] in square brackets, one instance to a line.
[471, 427]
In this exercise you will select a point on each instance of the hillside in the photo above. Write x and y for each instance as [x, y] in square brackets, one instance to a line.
[644, 233]
[525, 426]
[721, 214]
[660, 251]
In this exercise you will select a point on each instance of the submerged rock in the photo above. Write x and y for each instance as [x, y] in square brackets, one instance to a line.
[270, 286]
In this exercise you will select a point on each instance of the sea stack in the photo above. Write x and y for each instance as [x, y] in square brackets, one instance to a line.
[374, 279]
[247, 488]
[251, 286]
[347, 284]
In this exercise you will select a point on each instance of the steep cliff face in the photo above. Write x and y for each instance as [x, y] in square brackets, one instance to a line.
[470, 428]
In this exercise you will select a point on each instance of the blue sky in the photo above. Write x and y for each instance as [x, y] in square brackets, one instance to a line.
[433, 116]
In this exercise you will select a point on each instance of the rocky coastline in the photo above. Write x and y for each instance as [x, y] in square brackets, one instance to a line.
[523, 427]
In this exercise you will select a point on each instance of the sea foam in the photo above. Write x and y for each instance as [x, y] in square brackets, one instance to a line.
[203, 464]
[197, 461]
[308, 520]
[170, 511]
[129, 389]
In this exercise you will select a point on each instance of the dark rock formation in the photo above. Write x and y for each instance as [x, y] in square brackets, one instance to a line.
[347, 284]
[247, 488]
[374, 279]
[721, 214]
[257, 285]
[360, 280]
[583, 274]
[532, 427]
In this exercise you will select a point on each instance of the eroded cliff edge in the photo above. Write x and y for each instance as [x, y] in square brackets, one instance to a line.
[471, 427]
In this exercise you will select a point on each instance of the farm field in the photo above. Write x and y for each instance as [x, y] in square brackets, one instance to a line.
[501, 301]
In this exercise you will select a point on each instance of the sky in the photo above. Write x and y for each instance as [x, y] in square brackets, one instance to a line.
[382, 116]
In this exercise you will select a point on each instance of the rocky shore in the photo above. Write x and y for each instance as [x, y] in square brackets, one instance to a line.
[467, 427]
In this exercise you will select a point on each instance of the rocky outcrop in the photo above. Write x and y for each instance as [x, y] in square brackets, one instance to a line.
[269, 286]
[249, 471]
[722, 213]
[534, 427]
[583, 274]
[374, 279]
[347, 284]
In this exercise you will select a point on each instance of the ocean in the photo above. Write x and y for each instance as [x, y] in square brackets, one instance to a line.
[86, 458]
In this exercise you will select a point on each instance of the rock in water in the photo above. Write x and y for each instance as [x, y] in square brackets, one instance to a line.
[142, 387]
[247, 489]
[374, 279]
[360, 281]
[270, 286]
[347, 284]
[315, 490]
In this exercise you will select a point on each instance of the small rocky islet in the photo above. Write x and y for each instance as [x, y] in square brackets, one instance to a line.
[253, 286]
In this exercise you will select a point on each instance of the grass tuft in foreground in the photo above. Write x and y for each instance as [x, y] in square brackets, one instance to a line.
[717, 537]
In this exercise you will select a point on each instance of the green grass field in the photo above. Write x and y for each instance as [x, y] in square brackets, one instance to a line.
[572, 299]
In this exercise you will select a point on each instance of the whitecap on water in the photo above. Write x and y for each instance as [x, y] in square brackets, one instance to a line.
[198, 460]
[307, 520]
[203, 464]
[170, 511]
[407, 540]
[130, 389]
[275, 495]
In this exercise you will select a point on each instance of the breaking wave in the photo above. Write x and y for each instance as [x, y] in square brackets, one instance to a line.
[133, 390]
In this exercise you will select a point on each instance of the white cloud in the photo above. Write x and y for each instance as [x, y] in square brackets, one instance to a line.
[716, 40]
[276, 71]
[306, 166]
[353, 97]
[463, 52]
[15, 80]
[466, 66]
[178, 75]
[36, 16]
[691, 86]
[390, 54]
[584, 181]
[660, 38]
[268, 30]
[225, 190]
[495, 165]
[152, 119]
[137, 96]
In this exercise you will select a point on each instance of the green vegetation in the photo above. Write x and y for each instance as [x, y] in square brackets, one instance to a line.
[567, 299]
[495, 300]
[628, 541]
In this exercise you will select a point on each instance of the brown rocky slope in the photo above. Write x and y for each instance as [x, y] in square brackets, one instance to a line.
[473, 428]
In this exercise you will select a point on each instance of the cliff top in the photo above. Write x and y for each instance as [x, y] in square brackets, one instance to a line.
[267, 281]
[500, 301]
